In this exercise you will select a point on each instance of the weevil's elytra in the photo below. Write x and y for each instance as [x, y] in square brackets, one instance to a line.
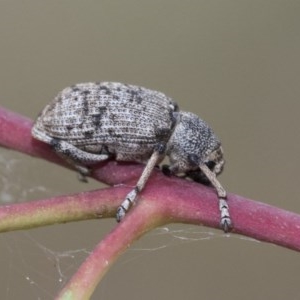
[91, 122]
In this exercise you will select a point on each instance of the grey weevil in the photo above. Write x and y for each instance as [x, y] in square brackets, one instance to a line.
[91, 122]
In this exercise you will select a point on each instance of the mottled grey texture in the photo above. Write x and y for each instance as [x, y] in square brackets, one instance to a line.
[112, 118]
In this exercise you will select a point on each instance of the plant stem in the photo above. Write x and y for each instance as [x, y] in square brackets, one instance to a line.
[81, 286]
[164, 200]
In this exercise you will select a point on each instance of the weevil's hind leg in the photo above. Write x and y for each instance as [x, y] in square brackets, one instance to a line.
[225, 221]
[155, 158]
[77, 157]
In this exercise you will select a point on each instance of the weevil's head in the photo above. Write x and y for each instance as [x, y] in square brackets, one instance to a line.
[192, 144]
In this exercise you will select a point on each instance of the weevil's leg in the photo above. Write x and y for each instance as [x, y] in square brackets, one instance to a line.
[76, 157]
[225, 221]
[155, 158]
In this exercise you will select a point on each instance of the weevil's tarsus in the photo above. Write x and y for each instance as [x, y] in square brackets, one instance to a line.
[83, 172]
[126, 204]
[225, 220]
[155, 158]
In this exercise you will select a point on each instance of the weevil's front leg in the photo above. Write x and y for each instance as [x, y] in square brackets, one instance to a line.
[155, 158]
[225, 221]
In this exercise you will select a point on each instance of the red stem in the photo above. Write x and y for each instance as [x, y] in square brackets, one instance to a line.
[185, 201]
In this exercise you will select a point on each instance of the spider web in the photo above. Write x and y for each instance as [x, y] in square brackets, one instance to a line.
[37, 263]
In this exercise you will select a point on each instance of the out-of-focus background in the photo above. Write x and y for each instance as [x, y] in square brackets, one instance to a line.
[234, 63]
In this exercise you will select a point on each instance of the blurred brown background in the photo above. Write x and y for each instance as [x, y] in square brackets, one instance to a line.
[234, 63]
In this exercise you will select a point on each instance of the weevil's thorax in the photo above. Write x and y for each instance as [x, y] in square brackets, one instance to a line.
[193, 143]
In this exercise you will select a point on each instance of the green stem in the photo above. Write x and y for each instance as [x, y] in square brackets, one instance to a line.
[139, 221]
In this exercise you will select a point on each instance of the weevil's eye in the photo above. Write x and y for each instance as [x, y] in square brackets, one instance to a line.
[211, 165]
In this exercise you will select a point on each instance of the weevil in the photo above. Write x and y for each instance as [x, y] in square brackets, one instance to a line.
[91, 122]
